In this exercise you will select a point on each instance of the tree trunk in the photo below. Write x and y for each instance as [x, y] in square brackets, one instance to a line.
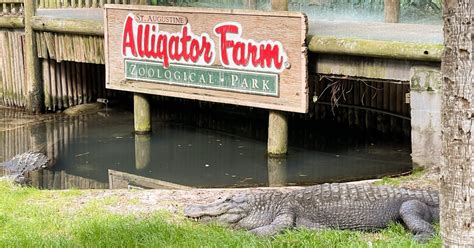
[457, 169]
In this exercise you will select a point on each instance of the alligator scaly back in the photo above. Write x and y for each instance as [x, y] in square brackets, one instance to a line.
[350, 192]
[23, 163]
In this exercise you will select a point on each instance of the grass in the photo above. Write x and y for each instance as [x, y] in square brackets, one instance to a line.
[35, 218]
[397, 181]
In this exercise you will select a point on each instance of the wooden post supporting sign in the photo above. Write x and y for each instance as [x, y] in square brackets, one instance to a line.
[142, 113]
[142, 151]
[32, 65]
[277, 145]
[277, 134]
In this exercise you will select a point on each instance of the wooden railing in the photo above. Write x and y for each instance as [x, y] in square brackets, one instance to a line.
[57, 4]
[11, 8]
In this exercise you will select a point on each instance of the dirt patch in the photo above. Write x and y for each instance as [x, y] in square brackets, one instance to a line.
[148, 201]
[428, 180]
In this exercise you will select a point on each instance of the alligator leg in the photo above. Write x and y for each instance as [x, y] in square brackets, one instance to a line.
[280, 223]
[417, 216]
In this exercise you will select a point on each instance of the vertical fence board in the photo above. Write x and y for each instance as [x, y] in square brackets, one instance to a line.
[13, 68]
[54, 95]
[59, 88]
[47, 84]
[9, 69]
[2, 72]
[64, 85]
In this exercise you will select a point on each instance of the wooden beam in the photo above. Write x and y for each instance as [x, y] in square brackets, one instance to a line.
[12, 22]
[376, 48]
[32, 65]
[72, 26]
[392, 11]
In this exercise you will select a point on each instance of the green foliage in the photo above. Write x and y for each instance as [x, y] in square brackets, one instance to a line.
[34, 218]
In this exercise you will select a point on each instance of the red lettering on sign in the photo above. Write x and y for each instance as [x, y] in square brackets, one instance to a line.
[146, 40]
[128, 38]
[237, 52]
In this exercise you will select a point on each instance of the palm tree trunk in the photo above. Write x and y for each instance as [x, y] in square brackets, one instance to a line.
[457, 169]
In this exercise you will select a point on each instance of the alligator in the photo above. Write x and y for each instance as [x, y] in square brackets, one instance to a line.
[337, 206]
[17, 168]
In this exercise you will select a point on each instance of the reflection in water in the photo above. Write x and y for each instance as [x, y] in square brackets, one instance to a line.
[50, 179]
[142, 151]
[84, 148]
[276, 171]
[123, 180]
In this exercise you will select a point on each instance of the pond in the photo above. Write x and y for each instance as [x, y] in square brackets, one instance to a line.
[192, 148]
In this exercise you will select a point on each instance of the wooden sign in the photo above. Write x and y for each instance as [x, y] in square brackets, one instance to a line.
[249, 58]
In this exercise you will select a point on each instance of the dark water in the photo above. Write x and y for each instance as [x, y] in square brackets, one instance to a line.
[83, 150]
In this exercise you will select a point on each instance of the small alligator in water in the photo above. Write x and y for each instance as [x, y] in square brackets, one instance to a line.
[340, 206]
[17, 168]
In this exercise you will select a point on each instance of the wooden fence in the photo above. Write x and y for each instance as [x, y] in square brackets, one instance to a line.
[11, 8]
[12, 68]
[69, 83]
[12, 73]
[56, 4]
[70, 47]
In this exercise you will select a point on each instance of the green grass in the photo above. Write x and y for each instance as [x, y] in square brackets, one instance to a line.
[397, 181]
[35, 218]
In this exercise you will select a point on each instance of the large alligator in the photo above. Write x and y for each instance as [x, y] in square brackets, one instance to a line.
[340, 206]
[17, 168]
